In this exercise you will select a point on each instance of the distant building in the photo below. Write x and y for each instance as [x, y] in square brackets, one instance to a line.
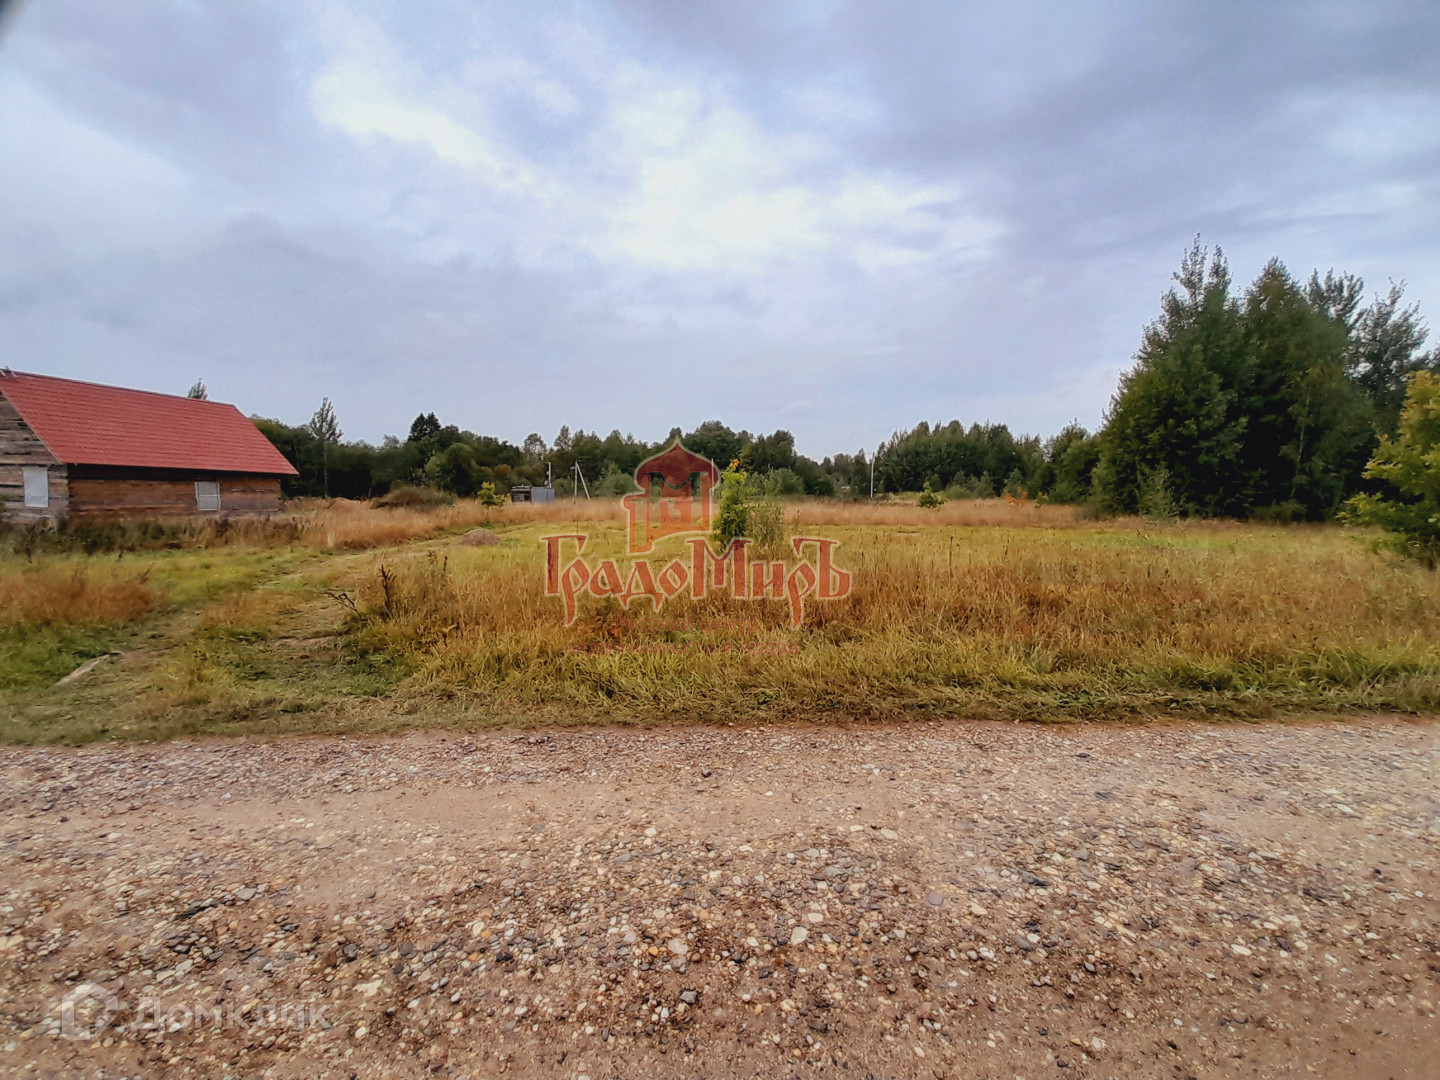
[83, 452]
[526, 493]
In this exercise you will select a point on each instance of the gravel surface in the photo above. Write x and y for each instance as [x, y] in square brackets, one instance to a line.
[967, 900]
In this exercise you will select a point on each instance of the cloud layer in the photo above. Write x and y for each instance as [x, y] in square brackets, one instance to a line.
[824, 216]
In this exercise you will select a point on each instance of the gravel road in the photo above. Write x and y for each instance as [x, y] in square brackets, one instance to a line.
[922, 900]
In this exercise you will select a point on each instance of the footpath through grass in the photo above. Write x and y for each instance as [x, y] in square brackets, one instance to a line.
[975, 610]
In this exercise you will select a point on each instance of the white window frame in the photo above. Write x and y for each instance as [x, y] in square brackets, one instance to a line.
[207, 495]
[37, 488]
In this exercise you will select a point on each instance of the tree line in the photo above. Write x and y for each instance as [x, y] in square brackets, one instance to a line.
[460, 462]
[1267, 402]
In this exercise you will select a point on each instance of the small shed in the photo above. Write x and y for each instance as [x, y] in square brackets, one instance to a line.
[527, 493]
[80, 451]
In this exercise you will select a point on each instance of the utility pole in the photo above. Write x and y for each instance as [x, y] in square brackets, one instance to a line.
[581, 477]
[872, 470]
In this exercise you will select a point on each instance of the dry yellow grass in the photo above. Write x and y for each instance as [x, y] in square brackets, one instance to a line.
[62, 595]
[347, 526]
[975, 609]
[1110, 619]
[958, 513]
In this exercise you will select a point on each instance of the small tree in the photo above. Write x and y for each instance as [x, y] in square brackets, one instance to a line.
[930, 499]
[326, 430]
[733, 517]
[615, 483]
[198, 392]
[1411, 465]
[1156, 501]
[748, 508]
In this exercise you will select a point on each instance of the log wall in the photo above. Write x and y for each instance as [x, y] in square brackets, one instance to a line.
[20, 447]
[112, 498]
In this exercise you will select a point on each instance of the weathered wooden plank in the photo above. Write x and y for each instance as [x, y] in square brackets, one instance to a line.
[92, 498]
[12, 496]
[18, 444]
[20, 447]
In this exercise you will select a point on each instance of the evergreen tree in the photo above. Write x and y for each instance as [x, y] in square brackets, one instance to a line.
[1180, 407]
[1384, 351]
[1307, 435]
[424, 427]
[1245, 405]
[326, 429]
[1070, 460]
[1411, 466]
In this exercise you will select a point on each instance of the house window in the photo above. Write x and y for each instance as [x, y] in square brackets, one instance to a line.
[37, 488]
[207, 494]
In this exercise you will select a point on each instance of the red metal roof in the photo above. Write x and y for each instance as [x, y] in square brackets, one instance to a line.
[88, 424]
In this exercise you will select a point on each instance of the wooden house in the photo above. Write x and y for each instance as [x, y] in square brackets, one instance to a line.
[81, 452]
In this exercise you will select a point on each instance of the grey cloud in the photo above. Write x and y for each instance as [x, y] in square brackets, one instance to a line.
[942, 210]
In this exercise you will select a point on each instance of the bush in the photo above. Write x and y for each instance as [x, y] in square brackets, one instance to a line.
[1156, 501]
[748, 509]
[930, 499]
[454, 469]
[1411, 465]
[409, 495]
[970, 487]
[615, 483]
[488, 496]
[1279, 513]
[776, 483]
[733, 517]
[767, 526]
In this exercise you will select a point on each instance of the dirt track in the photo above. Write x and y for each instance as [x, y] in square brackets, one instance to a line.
[967, 900]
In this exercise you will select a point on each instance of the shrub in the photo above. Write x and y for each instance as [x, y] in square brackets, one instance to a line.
[767, 526]
[930, 499]
[783, 482]
[1279, 513]
[748, 509]
[732, 519]
[970, 487]
[409, 495]
[615, 483]
[1411, 465]
[819, 485]
[1156, 501]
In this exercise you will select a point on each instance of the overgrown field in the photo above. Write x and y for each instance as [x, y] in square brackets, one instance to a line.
[347, 617]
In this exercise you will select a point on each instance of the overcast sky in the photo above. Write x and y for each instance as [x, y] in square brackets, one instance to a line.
[837, 218]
